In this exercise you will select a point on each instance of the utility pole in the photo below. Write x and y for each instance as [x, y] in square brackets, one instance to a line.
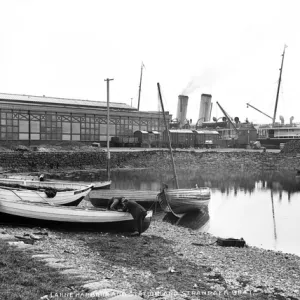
[107, 129]
[131, 102]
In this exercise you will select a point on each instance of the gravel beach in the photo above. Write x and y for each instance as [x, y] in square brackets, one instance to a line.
[171, 262]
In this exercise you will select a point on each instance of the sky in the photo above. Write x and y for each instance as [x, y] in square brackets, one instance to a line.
[230, 49]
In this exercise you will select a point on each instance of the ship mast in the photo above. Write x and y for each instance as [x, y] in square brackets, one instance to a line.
[140, 87]
[278, 88]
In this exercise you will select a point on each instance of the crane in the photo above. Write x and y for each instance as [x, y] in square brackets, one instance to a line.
[227, 116]
[258, 110]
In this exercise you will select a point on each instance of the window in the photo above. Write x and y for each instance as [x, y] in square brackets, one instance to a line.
[35, 126]
[75, 128]
[66, 127]
[23, 126]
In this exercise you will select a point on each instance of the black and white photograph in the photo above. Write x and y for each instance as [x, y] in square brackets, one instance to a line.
[149, 150]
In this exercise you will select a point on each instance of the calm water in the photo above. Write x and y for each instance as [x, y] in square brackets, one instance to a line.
[263, 208]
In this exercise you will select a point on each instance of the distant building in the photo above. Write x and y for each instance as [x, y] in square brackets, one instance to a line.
[39, 119]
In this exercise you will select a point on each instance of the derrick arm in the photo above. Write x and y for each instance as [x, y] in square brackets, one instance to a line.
[226, 115]
[259, 110]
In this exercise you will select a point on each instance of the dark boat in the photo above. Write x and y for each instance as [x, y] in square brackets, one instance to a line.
[181, 200]
[100, 198]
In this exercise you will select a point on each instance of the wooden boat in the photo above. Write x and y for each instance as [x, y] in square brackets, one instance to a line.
[181, 201]
[34, 180]
[99, 198]
[67, 217]
[54, 193]
[100, 185]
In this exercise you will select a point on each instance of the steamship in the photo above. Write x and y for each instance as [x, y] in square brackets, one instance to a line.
[225, 133]
[272, 135]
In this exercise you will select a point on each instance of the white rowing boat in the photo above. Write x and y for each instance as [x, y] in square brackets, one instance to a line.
[55, 193]
[72, 217]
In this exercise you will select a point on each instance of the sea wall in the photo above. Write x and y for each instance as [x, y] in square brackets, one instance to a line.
[212, 161]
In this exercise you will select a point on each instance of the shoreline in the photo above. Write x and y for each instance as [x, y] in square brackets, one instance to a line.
[164, 258]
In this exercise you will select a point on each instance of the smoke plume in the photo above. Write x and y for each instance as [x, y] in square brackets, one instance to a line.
[206, 79]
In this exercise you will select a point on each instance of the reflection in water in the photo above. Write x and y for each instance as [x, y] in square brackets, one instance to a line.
[195, 220]
[150, 179]
[273, 214]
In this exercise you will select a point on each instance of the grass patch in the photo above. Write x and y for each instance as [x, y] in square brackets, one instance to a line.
[23, 277]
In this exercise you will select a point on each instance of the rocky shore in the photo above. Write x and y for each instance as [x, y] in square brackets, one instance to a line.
[166, 262]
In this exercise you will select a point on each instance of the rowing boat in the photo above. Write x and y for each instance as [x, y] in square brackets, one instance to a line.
[70, 218]
[55, 193]
[182, 201]
[100, 198]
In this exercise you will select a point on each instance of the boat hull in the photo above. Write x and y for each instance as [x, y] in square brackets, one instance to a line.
[102, 185]
[182, 201]
[36, 191]
[100, 198]
[70, 218]
[274, 143]
[69, 198]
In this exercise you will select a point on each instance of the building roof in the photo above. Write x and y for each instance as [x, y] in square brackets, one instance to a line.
[141, 131]
[154, 131]
[206, 131]
[63, 101]
[181, 130]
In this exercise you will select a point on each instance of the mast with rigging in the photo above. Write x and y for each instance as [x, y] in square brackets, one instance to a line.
[168, 135]
[278, 88]
[140, 87]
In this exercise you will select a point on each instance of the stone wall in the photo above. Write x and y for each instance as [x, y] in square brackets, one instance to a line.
[213, 161]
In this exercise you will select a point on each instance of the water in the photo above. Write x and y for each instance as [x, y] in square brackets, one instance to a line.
[263, 208]
[264, 218]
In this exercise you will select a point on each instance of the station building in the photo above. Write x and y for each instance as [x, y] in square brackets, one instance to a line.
[40, 119]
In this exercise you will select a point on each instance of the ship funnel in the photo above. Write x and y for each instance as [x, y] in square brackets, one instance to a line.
[205, 108]
[182, 109]
[291, 120]
[281, 119]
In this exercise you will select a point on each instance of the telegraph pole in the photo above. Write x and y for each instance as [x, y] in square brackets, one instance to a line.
[107, 129]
